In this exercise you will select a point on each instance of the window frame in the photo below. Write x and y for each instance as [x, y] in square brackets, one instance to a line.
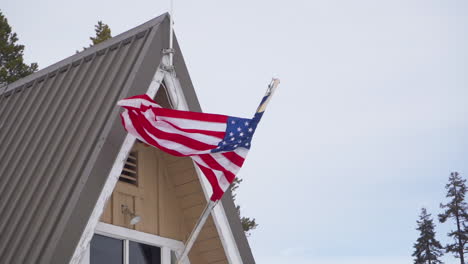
[126, 235]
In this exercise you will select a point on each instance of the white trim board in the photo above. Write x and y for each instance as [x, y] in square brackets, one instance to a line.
[137, 236]
[219, 215]
[166, 244]
[112, 179]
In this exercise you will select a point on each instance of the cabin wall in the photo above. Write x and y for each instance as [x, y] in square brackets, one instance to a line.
[169, 199]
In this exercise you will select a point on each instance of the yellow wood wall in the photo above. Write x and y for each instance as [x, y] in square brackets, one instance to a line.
[169, 199]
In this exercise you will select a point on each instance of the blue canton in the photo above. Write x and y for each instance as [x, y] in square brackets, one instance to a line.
[239, 132]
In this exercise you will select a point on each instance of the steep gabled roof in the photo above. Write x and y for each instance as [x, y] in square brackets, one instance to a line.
[60, 134]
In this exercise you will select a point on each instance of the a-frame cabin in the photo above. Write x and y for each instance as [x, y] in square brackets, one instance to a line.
[76, 188]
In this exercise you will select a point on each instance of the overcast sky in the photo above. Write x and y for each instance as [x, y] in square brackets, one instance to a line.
[369, 120]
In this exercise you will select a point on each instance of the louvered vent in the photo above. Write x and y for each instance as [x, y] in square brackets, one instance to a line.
[130, 171]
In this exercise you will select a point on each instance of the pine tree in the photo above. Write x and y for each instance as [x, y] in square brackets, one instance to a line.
[456, 209]
[247, 222]
[12, 66]
[427, 248]
[103, 32]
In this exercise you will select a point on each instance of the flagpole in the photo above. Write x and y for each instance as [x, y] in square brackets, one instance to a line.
[211, 204]
[269, 93]
[196, 230]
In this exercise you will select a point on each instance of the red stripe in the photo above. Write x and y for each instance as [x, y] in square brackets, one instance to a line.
[234, 158]
[213, 164]
[190, 115]
[217, 134]
[210, 175]
[147, 132]
[181, 139]
[148, 139]
[137, 126]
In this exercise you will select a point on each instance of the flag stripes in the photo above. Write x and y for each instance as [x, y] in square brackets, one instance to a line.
[183, 133]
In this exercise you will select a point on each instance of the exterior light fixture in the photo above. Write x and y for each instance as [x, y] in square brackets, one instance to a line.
[134, 219]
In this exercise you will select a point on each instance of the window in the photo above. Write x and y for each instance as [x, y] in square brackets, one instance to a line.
[143, 254]
[118, 245]
[130, 171]
[110, 250]
[106, 250]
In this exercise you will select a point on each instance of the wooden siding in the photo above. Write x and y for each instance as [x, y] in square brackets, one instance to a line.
[169, 198]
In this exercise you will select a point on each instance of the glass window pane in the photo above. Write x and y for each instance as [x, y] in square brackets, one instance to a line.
[144, 254]
[173, 257]
[106, 250]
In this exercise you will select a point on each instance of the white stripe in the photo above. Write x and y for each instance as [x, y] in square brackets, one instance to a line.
[194, 124]
[221, 179]
[241, 152]
[164, 126]
[225, 163]
[198, 160]
[129, 126]
[182, 149]
[172, 145]
[136, 103]
[180, 122]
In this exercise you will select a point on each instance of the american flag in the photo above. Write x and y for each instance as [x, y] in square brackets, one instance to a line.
[218, 144]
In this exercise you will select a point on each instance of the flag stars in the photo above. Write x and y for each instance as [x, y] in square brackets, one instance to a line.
[239, 133]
